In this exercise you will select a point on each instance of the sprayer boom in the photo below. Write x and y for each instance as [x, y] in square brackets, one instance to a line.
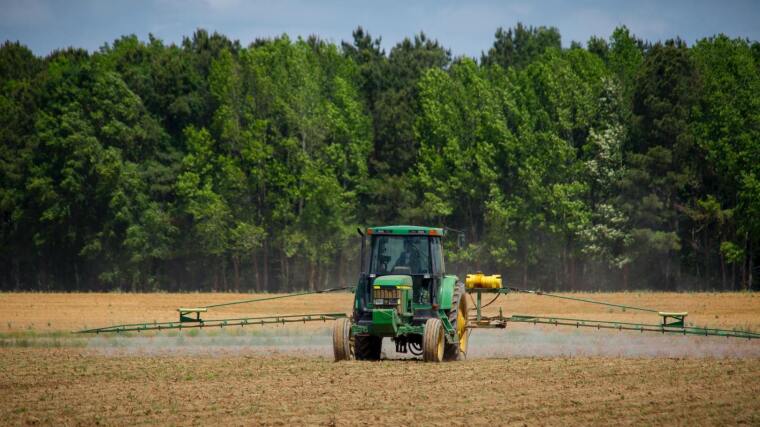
[670, 322]
[190, 317]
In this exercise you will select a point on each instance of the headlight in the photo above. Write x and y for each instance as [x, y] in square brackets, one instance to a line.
[386, 301]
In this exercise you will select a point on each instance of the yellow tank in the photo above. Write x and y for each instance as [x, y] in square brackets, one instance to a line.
[480, 280]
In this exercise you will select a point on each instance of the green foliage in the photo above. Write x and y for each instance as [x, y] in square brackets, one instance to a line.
[517, 47]
[624, 57]
[209, 165]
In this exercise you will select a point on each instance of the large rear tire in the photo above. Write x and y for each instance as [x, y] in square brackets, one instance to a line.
[458, 319]
[433, 341]
[342, 347]
[367, 347]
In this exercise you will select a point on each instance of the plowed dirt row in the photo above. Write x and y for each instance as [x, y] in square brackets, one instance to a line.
[70, 386]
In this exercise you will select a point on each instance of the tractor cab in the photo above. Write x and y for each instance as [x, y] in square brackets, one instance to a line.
[410, 256]
[403, 271]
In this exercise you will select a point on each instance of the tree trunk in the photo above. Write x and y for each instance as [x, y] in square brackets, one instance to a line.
[40, 273]
[256, 273]
[312, 274]
[723, 271]
[284, 284]
[573, 270]
[236, 270]
[566, 268]
[340, 281]
[17, 273]
[325, 271]
[744, 263]
[76, 275]
[265, 268]
[706, 252]
[224, 274]
[751, 267]
[695, 248]
[216, 279]
[667, 271]
[320, 275]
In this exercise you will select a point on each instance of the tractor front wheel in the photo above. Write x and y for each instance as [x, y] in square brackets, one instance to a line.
[367, 347]
[433, 341]
[342, 345]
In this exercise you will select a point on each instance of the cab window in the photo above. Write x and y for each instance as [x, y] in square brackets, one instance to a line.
[400, 255]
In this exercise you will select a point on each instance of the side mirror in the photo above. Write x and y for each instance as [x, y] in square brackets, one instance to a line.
[460, 240]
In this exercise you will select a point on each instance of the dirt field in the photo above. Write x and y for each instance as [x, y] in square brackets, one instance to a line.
[42, 312]
[285, 376]
[67, 386]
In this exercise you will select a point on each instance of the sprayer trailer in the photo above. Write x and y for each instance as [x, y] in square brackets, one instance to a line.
[405, 294]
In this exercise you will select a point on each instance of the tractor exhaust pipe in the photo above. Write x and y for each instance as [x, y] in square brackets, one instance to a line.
[361, 254]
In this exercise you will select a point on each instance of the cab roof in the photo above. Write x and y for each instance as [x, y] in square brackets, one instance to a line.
[406, 230]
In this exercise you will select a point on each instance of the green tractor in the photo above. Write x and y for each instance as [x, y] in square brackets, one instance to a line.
[404, 294]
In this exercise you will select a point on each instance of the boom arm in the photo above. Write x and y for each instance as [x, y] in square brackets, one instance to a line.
[186, 320]
[671, 322]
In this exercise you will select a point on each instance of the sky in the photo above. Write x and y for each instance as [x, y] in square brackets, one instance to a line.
[466, 27]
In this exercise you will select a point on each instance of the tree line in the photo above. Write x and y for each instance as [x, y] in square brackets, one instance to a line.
[619, 164]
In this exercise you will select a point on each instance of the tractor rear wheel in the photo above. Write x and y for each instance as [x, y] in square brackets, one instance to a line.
[433, 341]
[458, 319]
[367, 347]
[342, 345]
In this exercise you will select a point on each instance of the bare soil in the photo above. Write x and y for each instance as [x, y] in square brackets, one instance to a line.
[45, 312]
[70, 387]
[285, 376]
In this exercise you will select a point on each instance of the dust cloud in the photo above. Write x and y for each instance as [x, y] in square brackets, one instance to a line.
[549, 342]
[519, 341]
[274, 341]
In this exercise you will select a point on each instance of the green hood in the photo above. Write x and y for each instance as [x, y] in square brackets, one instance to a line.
[393, 280]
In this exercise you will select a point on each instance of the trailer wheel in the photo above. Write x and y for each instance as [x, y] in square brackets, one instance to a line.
[433, 341]
[342, 345]
[367, 347]
[458, 319]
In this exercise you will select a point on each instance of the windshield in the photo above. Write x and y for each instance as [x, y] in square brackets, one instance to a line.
[400, 255]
